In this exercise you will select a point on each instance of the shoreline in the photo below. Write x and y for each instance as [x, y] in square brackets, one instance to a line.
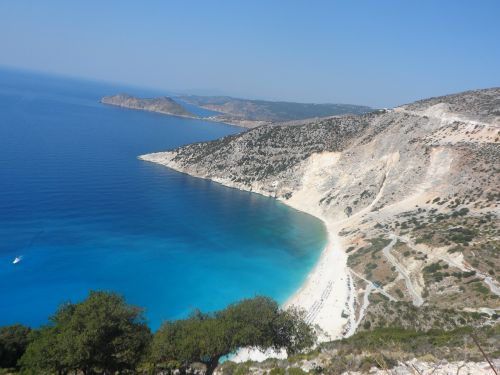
[328, 293]
[238, 124]
[325, 294]
[226, 119]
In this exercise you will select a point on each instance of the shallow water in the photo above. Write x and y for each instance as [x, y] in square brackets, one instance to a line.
[85, 213]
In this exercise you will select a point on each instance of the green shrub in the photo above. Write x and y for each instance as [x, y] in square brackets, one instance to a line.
[277, 371]
[296, 371]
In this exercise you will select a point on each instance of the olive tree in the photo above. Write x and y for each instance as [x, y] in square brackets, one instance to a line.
[101, 334]
[258, 322]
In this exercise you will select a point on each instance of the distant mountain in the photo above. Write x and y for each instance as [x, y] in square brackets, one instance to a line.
[270, 111]
[163, 104]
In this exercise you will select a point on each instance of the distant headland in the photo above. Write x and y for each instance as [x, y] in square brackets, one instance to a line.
[163, 104]
[239, 112]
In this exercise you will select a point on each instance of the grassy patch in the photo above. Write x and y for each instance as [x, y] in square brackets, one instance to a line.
[376, 244]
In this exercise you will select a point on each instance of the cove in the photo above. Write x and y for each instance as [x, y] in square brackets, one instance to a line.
[85, 214]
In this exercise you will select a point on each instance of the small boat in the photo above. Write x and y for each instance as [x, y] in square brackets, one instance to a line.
[17, 259]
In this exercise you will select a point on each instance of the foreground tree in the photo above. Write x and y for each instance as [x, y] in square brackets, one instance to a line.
[99, 335]
[205, 338]
[13, 342]
[45, 354]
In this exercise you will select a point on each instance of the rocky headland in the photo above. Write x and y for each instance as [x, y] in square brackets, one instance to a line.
[164, 105]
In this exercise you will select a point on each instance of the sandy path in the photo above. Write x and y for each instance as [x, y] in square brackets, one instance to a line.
[415, 295]
[454, 261]
[375, 287]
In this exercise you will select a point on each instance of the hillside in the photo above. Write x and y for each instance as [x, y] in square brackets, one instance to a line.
[410, 197]
[163, 105]
[389, 351]
[264, 112]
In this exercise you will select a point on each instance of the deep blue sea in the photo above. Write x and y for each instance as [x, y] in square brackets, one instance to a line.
[84, 213]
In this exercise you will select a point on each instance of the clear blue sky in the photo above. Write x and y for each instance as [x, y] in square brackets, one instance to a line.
[375, 52]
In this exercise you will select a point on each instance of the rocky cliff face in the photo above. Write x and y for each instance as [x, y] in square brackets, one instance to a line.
[163, 105]
[412, 193]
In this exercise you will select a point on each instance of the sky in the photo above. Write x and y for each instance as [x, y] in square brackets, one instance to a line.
[380, 53]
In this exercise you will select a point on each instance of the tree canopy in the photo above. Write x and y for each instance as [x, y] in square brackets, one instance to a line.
[13, 342]
[101, 334]
[104, 335]
[205, 338]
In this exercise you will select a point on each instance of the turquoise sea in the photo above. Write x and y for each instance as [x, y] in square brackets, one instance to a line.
[84, 213]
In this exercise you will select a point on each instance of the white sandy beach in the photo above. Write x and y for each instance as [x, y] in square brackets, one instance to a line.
[325, 295]
[328, 293]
